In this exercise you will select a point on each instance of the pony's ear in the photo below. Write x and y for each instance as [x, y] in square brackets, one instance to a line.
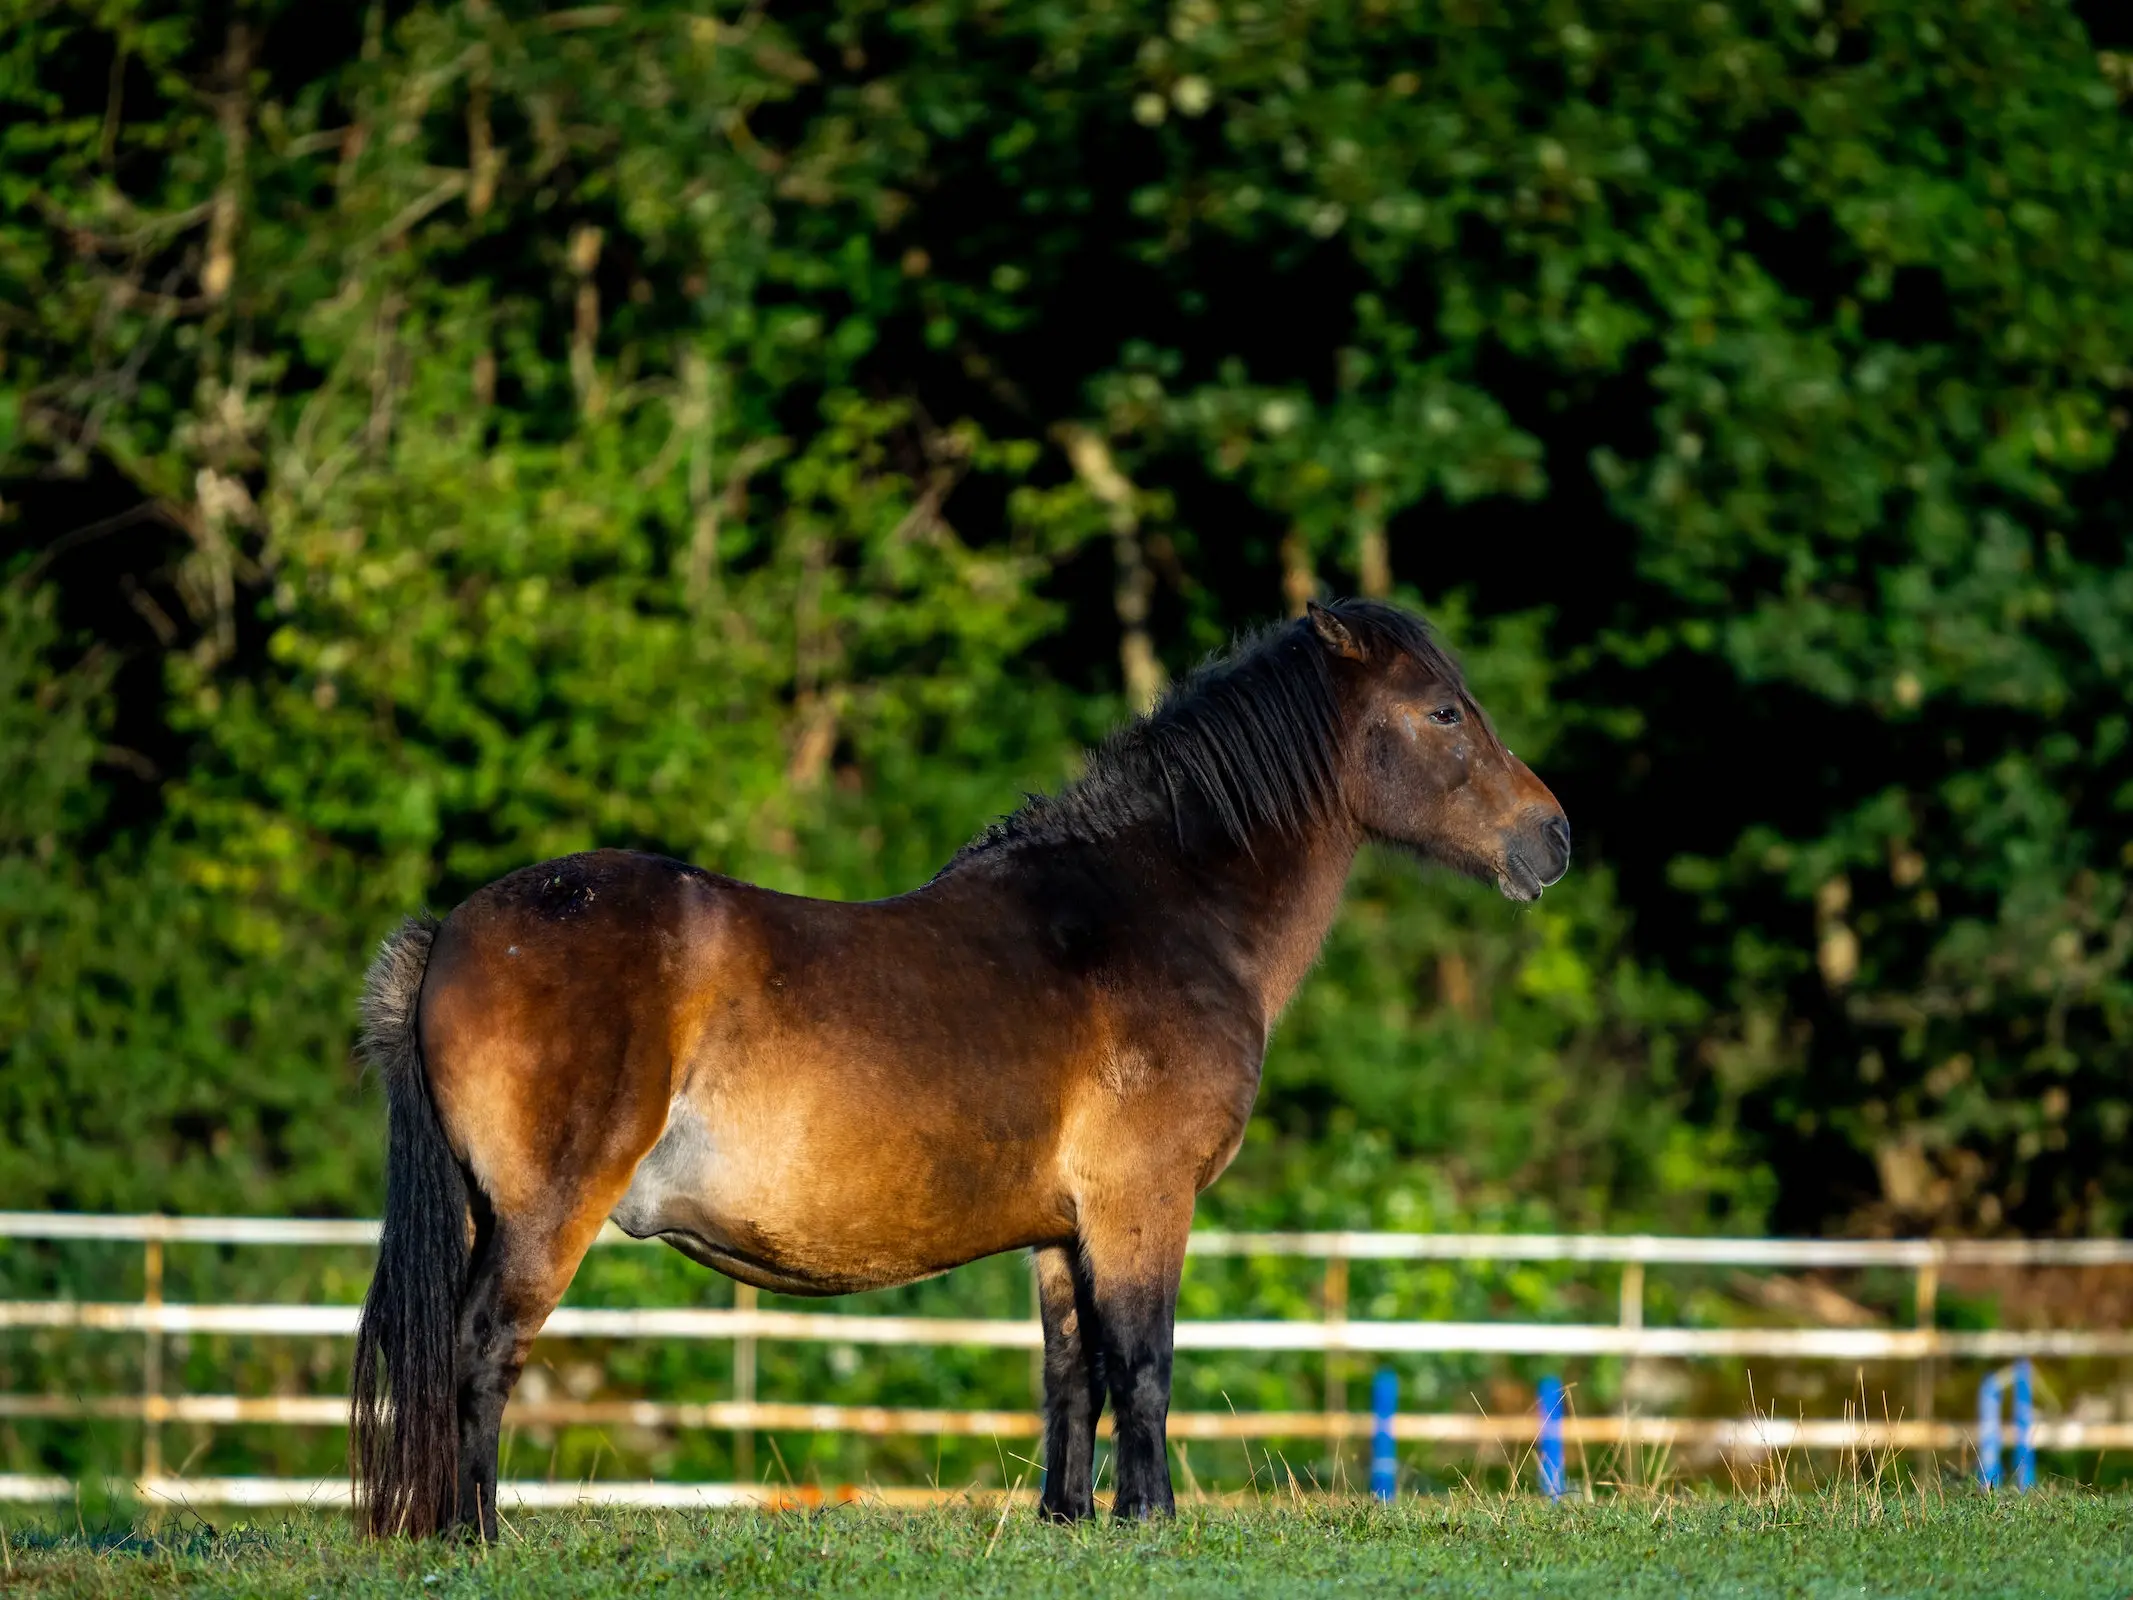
[1334, 633]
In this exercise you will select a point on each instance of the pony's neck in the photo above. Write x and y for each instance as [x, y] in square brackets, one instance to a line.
[1285, 894]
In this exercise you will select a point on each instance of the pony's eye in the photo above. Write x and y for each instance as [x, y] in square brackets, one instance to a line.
[1447, 716]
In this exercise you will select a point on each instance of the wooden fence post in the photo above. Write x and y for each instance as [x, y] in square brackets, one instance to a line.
[744, 1299]
[1335, 1396]
[1923, 1301]
[151, 1362]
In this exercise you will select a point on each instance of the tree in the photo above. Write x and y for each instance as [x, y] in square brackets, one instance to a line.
[474, 433]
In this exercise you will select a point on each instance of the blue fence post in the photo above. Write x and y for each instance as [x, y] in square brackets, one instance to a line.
[1551, 1437]
[1384, 1466]
[2025, 1427]
[1988, 1431]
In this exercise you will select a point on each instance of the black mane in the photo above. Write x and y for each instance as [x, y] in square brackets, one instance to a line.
[1251, 738]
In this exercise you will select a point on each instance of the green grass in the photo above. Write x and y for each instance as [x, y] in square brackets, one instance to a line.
[2052, 1543]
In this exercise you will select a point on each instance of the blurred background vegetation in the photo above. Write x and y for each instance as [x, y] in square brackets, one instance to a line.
[434, 437]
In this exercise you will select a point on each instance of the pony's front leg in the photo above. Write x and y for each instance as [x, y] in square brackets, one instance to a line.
[1134, 1261]
[1073, 1383]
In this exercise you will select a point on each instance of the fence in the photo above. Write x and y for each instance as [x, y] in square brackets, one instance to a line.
[1334, 1335]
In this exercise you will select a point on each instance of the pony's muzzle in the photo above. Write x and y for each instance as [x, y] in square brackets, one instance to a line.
[1536, 856]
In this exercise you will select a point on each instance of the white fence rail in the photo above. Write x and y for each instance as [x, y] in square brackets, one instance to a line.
[1340, 1337]
[1728, 1433]
[1333, 1336]
[1649, 1249]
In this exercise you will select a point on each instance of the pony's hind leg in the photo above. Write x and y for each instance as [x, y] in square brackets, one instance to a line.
[489, 1364]
[1073, 1383]
[535, 1217]
[520, 1271]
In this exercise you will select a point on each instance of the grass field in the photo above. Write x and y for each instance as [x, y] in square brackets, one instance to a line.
[2047, 1544]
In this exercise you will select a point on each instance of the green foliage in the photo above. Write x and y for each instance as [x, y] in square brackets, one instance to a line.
[437, 437]
[131, 1079]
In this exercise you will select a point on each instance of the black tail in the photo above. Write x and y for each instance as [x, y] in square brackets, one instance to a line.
[404, 1452]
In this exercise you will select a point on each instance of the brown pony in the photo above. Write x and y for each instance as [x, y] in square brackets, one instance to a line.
[1052, 1046]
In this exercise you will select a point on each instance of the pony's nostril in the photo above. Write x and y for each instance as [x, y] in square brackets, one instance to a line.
[1556, 832]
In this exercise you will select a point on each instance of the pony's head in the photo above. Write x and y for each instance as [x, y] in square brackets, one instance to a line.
[1353, 715]
[1425, 769]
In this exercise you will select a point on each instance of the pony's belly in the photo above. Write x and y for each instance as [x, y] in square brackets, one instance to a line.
[802, 1211]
